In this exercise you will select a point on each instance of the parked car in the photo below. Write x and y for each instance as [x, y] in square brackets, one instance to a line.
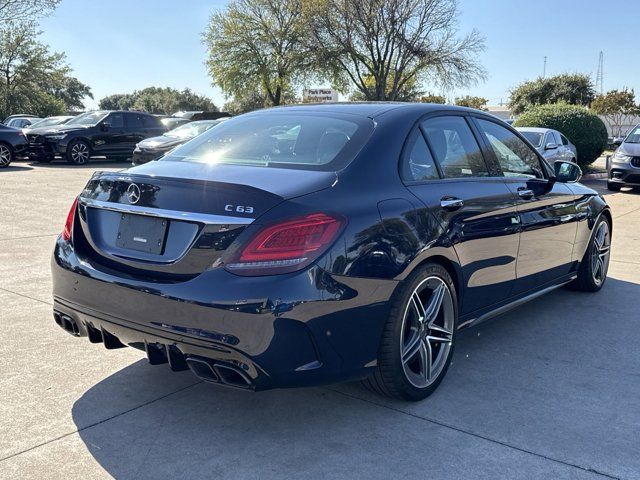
[21, 121]
[113, 134]
[155, 147]
[172, 122]
[623, 166]
[315, 244]
[201, 115]
[13, 144]
[551, 144]
[49, 122]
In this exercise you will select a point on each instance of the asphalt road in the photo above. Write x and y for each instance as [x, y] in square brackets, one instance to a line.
[551, 390]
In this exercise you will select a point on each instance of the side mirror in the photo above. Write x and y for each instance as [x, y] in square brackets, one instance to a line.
[567, 172]
[551, 146]
[105, 126]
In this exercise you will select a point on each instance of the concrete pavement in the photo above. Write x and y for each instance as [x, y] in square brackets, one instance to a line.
[550, 390]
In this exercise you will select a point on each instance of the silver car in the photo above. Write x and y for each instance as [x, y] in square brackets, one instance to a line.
[551, 144]
[623, 166]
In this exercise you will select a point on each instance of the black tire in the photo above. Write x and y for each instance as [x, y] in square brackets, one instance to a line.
[590, 278]
[78, 152]
[6, 155]
[613, 186]
[390, 377]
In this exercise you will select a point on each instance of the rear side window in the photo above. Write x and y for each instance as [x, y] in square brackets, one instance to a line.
[281, 140]
[417, 164]
[135, 121]
[564, 140]
[454, 147]
[558, 139]
[515, 157]
[115, 120]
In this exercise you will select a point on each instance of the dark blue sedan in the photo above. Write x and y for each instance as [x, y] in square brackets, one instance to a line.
[314, 244]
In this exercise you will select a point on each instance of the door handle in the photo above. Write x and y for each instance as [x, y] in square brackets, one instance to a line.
[525, 193]
[451, 203]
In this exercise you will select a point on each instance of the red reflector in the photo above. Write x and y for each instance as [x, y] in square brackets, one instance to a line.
[287, 246]
[68, 225]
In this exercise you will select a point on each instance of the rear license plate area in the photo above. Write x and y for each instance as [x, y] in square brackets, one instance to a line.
[142, 233]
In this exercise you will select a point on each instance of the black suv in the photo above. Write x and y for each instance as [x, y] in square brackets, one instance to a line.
[113, 134]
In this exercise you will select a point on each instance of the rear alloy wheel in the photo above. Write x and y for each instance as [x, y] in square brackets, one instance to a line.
[417, 342]
[6, 155]
[78, 152]
[595, 264]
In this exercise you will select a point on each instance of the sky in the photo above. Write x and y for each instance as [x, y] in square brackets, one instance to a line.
[122, 45]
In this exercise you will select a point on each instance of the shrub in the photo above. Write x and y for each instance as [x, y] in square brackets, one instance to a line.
[585, 129]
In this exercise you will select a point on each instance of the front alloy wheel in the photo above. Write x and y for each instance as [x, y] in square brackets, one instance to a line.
[418, 337]
[79, 153]
[6, 156]
[593, 269]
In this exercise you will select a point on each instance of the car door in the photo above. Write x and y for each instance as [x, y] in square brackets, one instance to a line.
[135, 131]
[445, 168]
[554, 153]
[110, 135]
[547, 209]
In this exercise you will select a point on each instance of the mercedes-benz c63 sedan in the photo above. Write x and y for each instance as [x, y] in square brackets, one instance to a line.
[315, 244]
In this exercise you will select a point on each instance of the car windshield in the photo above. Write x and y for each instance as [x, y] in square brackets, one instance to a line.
[190, 130]
[280, 140]
[634, 136]
[48, 122]
[534, 138]
[89, 118]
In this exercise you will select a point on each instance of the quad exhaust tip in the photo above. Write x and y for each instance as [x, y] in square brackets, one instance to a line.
[67, 323]
[215, 372]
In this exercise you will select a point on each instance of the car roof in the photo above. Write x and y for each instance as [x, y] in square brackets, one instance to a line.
[372, 109]
[534, 129]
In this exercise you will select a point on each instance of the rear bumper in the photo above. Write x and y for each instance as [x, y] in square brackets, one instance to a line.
[307, 328]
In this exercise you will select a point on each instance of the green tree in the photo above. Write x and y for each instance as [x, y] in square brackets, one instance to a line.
[571, 88]
[433, 98]
[257, 43]
[381, 47]
[618, 107]
[24, 10]
[479, 103]
[158, 100]
[32, 78]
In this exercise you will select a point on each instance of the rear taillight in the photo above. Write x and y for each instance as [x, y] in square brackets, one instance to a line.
[286, 246]
[68, 225]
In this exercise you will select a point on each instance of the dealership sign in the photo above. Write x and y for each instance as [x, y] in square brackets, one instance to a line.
[319, 95]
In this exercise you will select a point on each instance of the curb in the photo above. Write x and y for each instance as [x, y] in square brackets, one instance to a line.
[594, 176]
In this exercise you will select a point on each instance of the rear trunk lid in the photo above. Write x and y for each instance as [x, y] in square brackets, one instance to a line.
[173, 220]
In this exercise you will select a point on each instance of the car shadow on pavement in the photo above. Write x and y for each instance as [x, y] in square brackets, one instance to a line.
[15, 168]
[558, 377]
[92, 164]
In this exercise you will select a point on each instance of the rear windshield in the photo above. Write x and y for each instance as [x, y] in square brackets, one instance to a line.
[282, 140]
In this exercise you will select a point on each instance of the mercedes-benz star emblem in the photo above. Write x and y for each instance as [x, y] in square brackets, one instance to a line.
[133, 193]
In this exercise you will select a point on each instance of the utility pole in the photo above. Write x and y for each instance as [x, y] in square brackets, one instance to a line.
[600, 74]
[544, 68]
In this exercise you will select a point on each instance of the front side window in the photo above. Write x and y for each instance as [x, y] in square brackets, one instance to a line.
[455, 147]
[417, 164]
[280, 140]
[515, 157]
